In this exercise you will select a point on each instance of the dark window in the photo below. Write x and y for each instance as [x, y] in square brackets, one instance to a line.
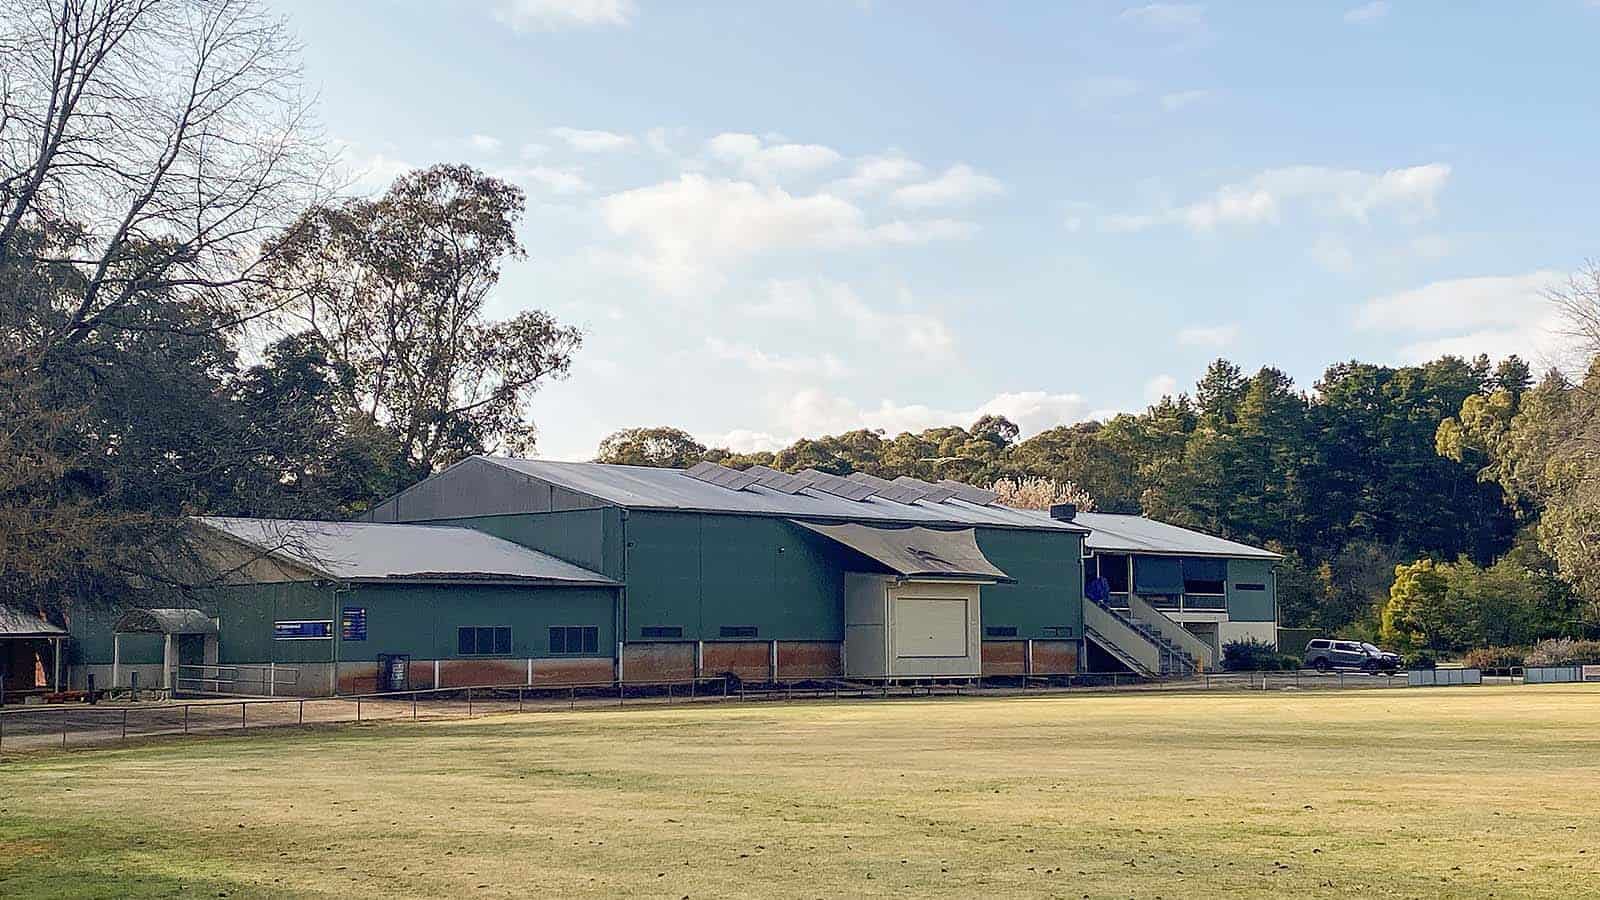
[661, 631]
[575, 639]
[1000, 631]
[1058, 631]
[739, 631]
[1248, 586]
[1205, 576]
[483, 640]
[1114, 569]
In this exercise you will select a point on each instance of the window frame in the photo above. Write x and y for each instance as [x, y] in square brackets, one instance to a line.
[494, 641]
[586, 641]
[660, 632]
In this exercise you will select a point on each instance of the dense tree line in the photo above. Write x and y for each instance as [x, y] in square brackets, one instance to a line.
[1376, 467]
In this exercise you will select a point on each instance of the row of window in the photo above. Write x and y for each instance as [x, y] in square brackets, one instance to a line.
[659, 632]
[1010, 631]
[495, 640]
[1161, 575]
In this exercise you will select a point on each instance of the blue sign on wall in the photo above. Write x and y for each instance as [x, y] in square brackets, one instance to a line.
[302, 630]
[353, 625]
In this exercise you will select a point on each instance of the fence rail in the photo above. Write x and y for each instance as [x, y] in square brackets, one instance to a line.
[79, 724]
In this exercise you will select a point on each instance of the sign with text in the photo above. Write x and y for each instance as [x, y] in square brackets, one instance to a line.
[353, 624]
[302, 630]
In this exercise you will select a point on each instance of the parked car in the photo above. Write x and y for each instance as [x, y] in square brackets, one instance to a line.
[1325, 654]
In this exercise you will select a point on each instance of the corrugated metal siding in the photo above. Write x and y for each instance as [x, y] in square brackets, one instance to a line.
[417, 619]
[701, 572]
[1048, 592]
[477, 487]
[591, 538]
[1251, 606]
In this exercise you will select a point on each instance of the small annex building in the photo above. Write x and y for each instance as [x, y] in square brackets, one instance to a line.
[515, 571]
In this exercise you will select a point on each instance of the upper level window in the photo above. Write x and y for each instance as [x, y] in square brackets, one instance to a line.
[1205, 576]
[1114, 569]
[481, 640]
[661, 631]
[738, 631]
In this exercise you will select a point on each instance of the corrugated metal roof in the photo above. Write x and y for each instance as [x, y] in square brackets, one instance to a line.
[914, 551]
[643, 487]
[1137, 534]
[18, 623]
[357, 551]
[165, 621]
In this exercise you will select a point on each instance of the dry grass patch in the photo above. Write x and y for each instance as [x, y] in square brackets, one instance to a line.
[1421, 793]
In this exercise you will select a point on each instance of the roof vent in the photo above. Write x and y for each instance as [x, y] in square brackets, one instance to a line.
[1063, 512]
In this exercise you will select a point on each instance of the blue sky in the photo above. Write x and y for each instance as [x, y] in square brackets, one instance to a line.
[783, 220]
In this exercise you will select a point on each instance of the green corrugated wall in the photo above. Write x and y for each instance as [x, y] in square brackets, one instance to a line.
[1251, 606]
[1048, 593]
[418, 619]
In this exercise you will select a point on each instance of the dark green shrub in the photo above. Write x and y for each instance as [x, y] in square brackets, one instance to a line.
[1420, 660]
[1251, 655]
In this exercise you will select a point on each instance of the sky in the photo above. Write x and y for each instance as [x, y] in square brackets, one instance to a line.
[784, 220]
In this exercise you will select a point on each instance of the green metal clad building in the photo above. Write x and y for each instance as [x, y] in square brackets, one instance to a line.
[517, 571]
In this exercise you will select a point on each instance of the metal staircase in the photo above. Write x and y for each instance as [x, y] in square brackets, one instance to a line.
[1135, 643]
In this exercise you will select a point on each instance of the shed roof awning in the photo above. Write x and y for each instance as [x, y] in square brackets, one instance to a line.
[915, 552]
[165, 621]
[19, 623]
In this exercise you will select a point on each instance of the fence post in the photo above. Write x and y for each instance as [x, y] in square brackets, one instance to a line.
[669, 693]
[572, 697]
[186, 718]
[241, 714]
[302, 711]
[63, 723]
[358, 710]
[413, 706]
[519, 698]
[620, 700]
[124, 723]
[469, 702]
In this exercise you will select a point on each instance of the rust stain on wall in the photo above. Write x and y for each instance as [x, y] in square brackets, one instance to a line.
[1006, 657]
[809, 659]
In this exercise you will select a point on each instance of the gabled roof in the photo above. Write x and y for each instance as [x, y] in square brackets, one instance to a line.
[365, 551]
[643, 487]
[1137, 534]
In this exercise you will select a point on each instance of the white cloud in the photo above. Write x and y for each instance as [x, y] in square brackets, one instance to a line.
[586, 141]
[557, 181]
[1208, 335]
[1101, 89]
[767, 161]
[957, 185]
[1352, 194]
[758, 360]
[690, 229]
[1367, 13]
[1179, 99]
[1167, 16]
[1497, 315]
[533, 151]
[874, 173]
[553, 15]
[1332, 253]
[368, 173]
[1160, 386]
[818, 300]
[483, 143]
[1431, 246]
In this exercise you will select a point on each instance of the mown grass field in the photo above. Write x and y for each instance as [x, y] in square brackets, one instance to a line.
[1464, 792]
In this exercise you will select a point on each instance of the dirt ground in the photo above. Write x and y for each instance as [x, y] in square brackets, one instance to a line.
[1460, 792]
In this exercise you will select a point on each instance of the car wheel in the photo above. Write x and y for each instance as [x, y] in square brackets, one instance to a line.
[1370, 667]
[1321, 665]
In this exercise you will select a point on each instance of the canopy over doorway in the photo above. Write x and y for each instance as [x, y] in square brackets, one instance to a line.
[182, 629]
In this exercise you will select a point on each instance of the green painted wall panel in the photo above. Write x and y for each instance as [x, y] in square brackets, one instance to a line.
[1048, 568]
[404, 618]
[1251, 606]
[702, 572]
[591, 538]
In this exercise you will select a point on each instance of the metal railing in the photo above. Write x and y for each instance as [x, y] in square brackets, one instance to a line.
[69, 725]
